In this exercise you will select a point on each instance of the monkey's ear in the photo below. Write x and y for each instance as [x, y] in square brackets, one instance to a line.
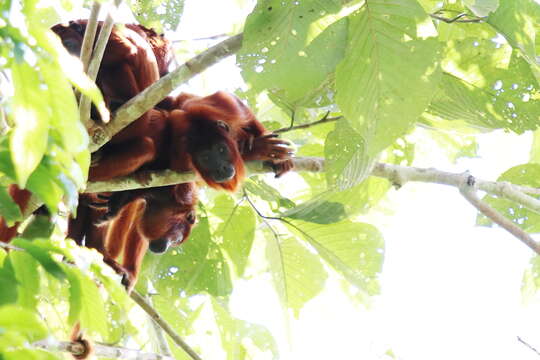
[185, 194]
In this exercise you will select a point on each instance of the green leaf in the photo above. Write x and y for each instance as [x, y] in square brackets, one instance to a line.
[297, 273]
[9, 210]
[355, 250]
[528, 220]
[487, 85]
[518, 21]
[333, 206]
[238, 231]
[346, 160]
[234, 333]
[42, 255]
[28, 139]
[380, 93]
[26, 272]
[196, 266]
[158, 14]
[72, 69]
[86, 303]
[64, 110]
[291, 49]
[44, 183]
[8, 284]
[26, 322]
[40, 226]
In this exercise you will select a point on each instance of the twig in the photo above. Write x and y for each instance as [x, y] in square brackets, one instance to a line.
[458, 18]
[158, 331]
[467, 189]
[113, 352]
[153, 94]
[93, 67]
[325, 119]
[528, 345]
[213, 37]
[90, 35]
[139, 299]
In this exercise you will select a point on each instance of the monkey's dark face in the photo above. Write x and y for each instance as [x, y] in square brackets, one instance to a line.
[165, 222]
[215, 162]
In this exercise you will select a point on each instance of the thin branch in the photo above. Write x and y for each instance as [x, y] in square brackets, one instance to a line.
[528, 345]
[113, 352]
[458, 18]
[153, 94]
[324, 120]
[90, 35]
[139, 299]
[93, 68]
[467, 189]
[213, 37]
[158, 331]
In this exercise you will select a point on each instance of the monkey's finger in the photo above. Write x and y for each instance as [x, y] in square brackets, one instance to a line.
[268, 136]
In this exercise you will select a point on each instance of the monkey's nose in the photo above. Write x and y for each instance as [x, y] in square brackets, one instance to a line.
[159, 246]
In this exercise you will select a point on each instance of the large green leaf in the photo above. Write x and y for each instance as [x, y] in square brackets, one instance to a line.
[86, 303]
[297, 272]
[355, 250]
[26, 272]
[42, 253]
[518, 21]
[24, 321]
[389, 72]
[234, 333]
[346, 160]
[196, 266]
[291, 49]
[31, 118]
[158, 14]
[237, 230]
[487, 85]
[333, 206]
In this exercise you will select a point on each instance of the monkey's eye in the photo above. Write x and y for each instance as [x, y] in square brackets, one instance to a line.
[222, 124]
[191, 218]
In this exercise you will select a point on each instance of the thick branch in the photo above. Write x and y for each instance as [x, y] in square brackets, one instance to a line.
[168, 177]
[152, 95]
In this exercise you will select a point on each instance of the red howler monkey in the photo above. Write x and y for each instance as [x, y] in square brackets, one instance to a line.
[211, 135]
[222, 131]
[134, 58]
[135, 221]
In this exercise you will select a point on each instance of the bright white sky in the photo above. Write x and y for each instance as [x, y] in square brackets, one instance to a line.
[450, 290]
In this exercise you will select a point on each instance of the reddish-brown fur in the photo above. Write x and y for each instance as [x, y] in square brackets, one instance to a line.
[154, 218]
[21, 197]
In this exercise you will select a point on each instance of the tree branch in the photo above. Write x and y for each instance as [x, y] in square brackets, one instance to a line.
[169, 177]
[467, 189]
[140, 300]
[113, 352]
[93, 68]
[89, 36]
[325, 119]
[153, 94]
[397, 174]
